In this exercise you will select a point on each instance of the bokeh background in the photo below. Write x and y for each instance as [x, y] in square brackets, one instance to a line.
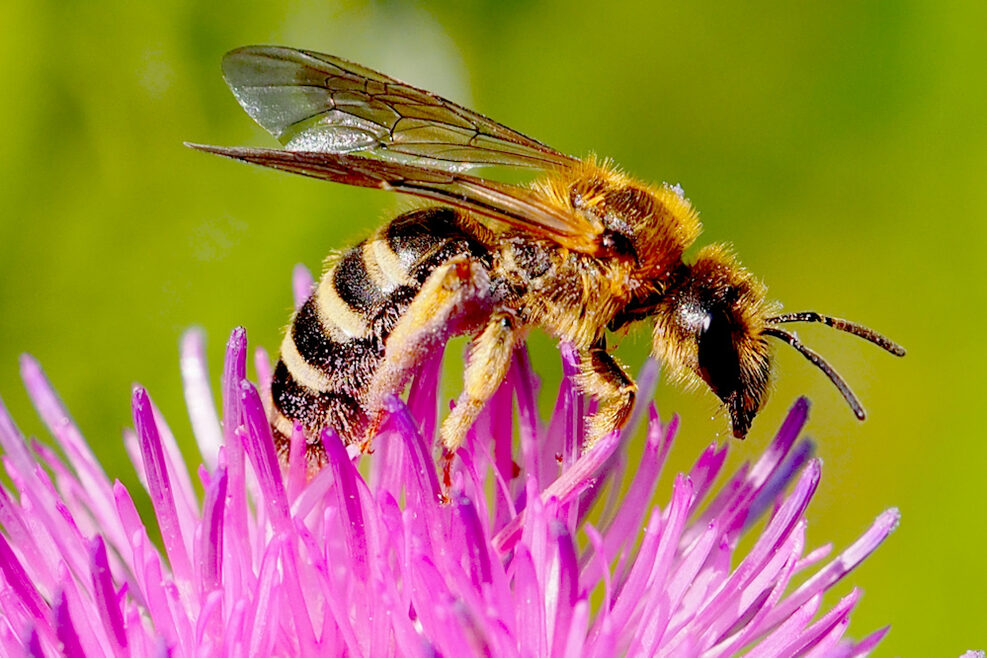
[841, 147]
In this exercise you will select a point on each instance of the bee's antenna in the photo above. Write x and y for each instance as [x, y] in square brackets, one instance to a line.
[842, 325]
[819, 362]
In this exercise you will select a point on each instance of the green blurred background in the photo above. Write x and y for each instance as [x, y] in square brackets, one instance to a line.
[841, 148]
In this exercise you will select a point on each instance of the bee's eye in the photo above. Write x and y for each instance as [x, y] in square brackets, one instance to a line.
[719, 364]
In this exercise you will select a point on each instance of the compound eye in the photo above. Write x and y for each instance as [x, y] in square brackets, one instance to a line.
[719, 363]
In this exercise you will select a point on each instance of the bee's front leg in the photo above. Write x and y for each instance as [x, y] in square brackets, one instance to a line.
[601, 377]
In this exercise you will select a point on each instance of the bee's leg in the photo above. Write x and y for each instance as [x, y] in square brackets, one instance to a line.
[489, 361]
[602, 378]
[449, 293]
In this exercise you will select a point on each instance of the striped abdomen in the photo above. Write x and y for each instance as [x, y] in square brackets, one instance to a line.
[337, 338]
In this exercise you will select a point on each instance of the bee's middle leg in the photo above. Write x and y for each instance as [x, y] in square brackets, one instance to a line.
[601, 377]
[489, 360]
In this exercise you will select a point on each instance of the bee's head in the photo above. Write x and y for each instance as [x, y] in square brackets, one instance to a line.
[709, 327]
[713, 326]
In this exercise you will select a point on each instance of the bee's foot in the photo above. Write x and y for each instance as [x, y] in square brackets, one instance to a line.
[446, 464]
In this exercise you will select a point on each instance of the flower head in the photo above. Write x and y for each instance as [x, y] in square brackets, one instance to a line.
[534, 552]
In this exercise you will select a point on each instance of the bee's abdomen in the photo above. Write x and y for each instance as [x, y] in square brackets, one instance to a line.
[337, 338]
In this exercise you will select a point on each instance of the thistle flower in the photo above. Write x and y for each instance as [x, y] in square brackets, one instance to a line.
[542, 556]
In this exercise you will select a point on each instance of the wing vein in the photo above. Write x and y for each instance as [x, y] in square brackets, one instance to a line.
[315, 99]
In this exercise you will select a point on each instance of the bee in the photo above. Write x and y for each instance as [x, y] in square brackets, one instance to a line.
[581, 251]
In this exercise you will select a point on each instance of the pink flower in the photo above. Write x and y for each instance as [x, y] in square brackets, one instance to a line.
[534, 554]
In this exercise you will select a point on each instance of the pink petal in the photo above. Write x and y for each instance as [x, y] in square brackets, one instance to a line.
[159, 484]
[302, 284]
[71, 647]
[105, 594]
[198, 397]
[259, 446]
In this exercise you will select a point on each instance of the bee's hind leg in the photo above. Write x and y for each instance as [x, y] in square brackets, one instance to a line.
[452, 290]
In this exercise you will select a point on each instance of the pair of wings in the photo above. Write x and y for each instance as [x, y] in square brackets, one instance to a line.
[342, 122]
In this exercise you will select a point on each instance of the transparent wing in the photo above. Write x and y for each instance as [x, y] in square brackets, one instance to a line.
[509, 205]
[320, 103]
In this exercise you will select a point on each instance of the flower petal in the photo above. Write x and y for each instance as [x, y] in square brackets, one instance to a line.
[159, 485]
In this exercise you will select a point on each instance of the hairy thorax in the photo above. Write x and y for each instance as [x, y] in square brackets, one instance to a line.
[569, 295]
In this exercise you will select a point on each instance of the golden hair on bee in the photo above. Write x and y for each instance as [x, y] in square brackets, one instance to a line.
[709, 327]
[582, 250]
[659, 220]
